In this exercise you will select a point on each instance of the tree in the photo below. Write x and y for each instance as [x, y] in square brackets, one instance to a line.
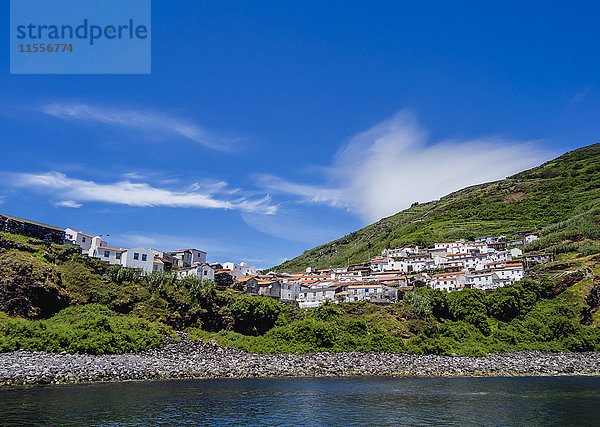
[439, 301]
[254, 315]
[511, 301]
[421, 304]
[469, 305]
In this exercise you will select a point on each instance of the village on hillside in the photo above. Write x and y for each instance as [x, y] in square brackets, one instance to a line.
[487, 263]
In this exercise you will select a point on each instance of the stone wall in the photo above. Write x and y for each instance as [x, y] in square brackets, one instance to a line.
[23, 227]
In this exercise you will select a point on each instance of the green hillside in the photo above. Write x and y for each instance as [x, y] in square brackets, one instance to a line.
[53, 299]
[559, 198]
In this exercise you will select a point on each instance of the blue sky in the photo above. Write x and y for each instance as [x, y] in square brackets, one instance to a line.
[267, 128]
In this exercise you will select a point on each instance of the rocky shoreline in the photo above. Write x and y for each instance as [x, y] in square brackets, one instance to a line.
[184, 358]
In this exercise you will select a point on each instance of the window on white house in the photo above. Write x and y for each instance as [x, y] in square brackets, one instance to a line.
[136, 256]
[83, 239]
[205, 272]
[106, 254]
[144, 257]
[118, 255]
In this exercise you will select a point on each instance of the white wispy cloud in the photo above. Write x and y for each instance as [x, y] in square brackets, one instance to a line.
[68, 204]
[295, 225]
[141, 194]
[334, 197]
[386, 168]
[151, 123]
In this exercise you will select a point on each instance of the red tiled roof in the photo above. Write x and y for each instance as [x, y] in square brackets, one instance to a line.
[112, 249]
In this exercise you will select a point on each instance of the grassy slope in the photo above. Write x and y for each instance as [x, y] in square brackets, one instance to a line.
[113, 310]
[52, 298]
[530, 200]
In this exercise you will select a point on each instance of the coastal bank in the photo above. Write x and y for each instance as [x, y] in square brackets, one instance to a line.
[184, 358]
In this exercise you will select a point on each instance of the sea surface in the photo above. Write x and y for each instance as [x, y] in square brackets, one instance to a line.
[361, 401]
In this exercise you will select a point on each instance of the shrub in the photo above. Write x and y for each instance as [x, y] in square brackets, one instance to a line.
[508, 302]
[312, 335]
[326, 312]
[157, 281]
[420, 304]
[254, 315]
[202, 291]
[92, 329]
[439, 301]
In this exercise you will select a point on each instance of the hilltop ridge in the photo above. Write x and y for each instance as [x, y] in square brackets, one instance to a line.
[535, 199]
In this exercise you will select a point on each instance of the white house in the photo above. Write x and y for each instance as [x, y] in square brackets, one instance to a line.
[242, 266]
[458, 263]
[203, 271]
[138, 258]
[400, 252]
[458, 255]
[502, 256]
[379, 264]
[168, 260]
[437, 253]
[158, 265]
[414, 263]
[371, 292]
[476, 262]
[448, 281]
[530, 238]
[449, 245]
[84, 241]
[188, 257]
[290, 291]
[111, 255]
[516, 252]
[315, 297]
[511, 271]
[481, 281]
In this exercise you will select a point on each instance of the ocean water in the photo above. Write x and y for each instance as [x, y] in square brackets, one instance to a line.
[361, 401]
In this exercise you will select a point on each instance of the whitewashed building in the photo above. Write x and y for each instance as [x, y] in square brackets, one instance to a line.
[158, 265]
[84, 241]
[448, 281]
[516, 252]
[188, 257]
[138, 258]
[242, 266]
[481, 281]
[315, 297]
[371, 292]
[530, 238]
[290, 290]
[511, 271]
[202, 271]
[111, 255]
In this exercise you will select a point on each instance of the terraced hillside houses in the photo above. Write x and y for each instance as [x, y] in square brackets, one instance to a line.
[486, 263]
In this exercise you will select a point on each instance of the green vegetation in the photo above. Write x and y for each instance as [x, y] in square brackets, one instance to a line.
[56, 300]
[523, 316]
[53, 299]
[561, 198]
[92, 329]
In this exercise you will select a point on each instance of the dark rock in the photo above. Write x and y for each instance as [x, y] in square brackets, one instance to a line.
[192, 359]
